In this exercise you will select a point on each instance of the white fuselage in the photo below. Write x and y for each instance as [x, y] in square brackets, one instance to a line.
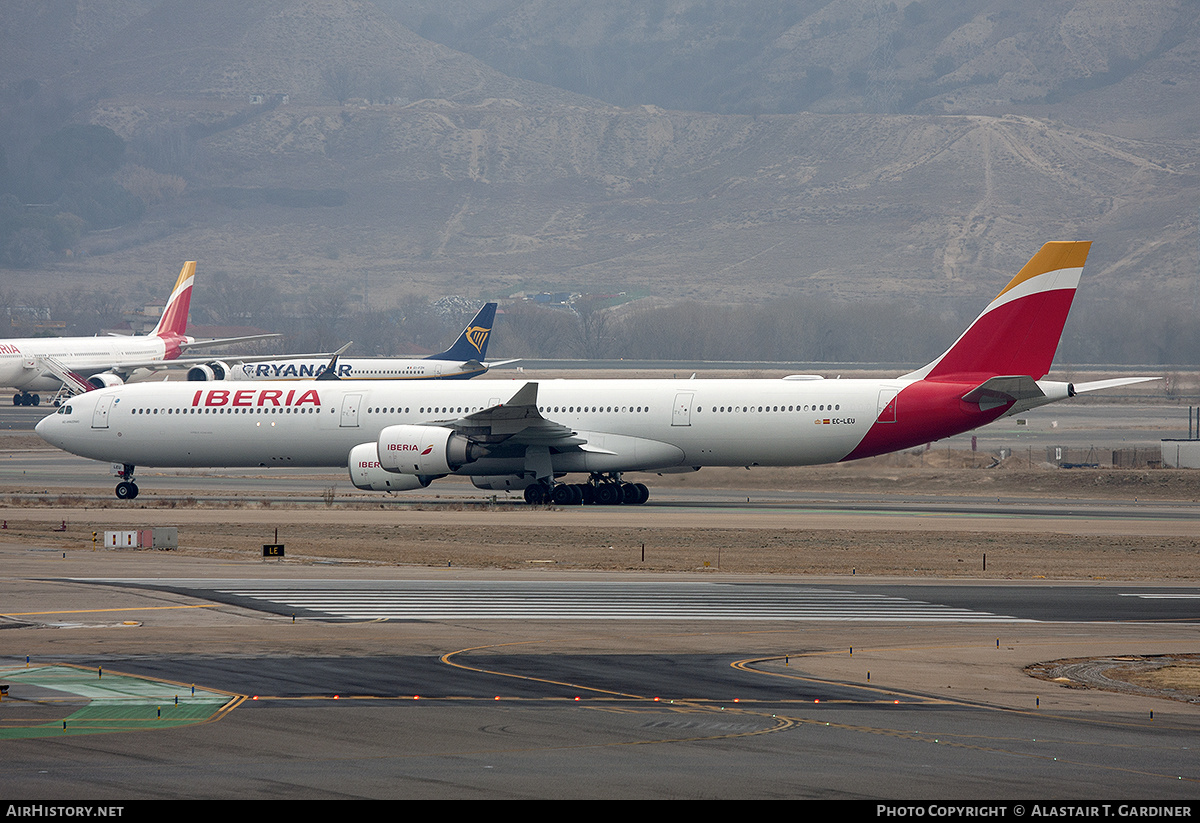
[317, 423]
[359, 368]
[20, 369]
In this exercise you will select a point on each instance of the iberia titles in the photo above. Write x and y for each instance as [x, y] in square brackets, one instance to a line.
[256, 397]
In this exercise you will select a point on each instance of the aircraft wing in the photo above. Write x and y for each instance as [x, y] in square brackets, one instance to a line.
[187, 362]
[226, 341]
[515, 423]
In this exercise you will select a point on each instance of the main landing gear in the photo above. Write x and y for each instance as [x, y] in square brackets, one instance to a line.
[126, 489]
[27, 399]
[598, 490]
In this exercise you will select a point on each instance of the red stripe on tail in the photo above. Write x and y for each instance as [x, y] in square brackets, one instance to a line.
[175, 315]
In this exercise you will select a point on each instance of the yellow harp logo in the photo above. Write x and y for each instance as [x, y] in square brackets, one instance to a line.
[477, 336]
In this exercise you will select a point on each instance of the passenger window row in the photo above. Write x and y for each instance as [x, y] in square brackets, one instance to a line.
[748, 409]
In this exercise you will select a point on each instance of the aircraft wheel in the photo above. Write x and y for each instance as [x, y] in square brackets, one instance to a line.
[37, 400]
[643, 493]
[588, 491]
[629, 494]
[126, 490]
[566, 494]
[535, 494]
[608, 494]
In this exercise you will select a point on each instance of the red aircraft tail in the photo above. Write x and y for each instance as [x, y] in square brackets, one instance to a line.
[1018, 332]
[992, 367]
[175, 315]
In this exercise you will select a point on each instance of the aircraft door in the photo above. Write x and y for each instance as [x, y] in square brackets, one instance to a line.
[886, 411]
[681, 414]
[100, 413]
[350, 407]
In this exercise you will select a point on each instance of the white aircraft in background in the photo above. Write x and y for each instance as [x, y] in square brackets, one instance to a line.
[83, 363]
[463, 360]
[400, 436]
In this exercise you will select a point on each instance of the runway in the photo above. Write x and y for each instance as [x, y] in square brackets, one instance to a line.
[453, 683]
[536, 600]
[787, 600]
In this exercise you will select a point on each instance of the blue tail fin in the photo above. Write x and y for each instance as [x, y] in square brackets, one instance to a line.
[472, 343]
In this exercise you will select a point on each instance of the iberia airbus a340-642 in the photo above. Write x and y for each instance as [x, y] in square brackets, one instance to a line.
[398, 436]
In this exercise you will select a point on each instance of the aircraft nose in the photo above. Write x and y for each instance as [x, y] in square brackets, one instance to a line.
[47, 429]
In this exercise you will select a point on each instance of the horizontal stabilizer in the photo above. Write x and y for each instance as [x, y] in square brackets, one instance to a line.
[1000, 391]
[1097, 385]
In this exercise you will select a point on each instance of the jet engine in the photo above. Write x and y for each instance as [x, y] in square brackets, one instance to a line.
[426, 450]
[368, 475]
[105, 379]
[215, 370]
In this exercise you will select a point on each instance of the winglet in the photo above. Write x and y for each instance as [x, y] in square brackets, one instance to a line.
[1018, 333]
[330, 371]
[175, 315]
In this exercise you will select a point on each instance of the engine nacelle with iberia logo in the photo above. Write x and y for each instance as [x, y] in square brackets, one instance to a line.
[368, 475]
[105, 379]
[426, 450]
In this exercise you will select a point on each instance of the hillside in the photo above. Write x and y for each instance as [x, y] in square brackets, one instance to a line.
[678, 150]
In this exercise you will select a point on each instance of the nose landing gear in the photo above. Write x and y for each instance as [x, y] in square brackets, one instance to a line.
[126, 489]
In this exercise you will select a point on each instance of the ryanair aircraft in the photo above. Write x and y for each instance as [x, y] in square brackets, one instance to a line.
[396, 436]
[463, 360]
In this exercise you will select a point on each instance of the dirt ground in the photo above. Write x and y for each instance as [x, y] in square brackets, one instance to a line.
[425, 530]
[1170, 676]
[309, 537]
